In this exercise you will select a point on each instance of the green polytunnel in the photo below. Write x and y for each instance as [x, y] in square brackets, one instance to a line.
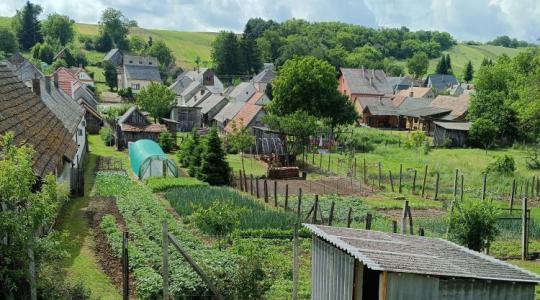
[147, 159]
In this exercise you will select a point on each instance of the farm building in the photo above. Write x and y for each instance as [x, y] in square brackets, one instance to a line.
[441, 82]
[453, 134]
[147, 160]
[362, 264]
[134, 126]
[114, 56]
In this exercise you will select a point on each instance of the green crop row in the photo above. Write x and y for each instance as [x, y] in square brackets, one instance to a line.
[144, 217]
[160, 184]
[256, 215]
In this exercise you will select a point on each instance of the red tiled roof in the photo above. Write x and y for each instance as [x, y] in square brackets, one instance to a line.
[246, 114]
[418, 92]
[256, 97]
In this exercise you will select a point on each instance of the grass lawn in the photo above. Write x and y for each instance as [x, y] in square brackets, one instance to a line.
[82, 265]
[252, 166]
[98, 73]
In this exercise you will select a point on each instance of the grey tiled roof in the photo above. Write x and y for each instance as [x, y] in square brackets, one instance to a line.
[461, 126]
[424, 112]
[381, 110]
[111, 53]
[239, 89]
[64, 108]
[364, 81]
[399, 253]
[441, 82]
[229, 111]
[414, 103]
[265, 76]
[24, 69]
[134, 72]
[181, 83]
[211, 102]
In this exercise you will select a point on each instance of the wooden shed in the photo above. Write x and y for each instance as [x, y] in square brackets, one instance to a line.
[134, 126]
[452, 134]
[362, 264]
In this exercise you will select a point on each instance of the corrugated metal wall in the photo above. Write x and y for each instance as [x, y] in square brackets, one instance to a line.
[331, 272]
[403, 286]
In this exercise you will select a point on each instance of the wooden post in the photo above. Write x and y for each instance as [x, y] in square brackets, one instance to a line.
[455, 184]
[286, 196]
[315, 208]
[421, 231]
[368, 221]
[257, 187]
[275, 194]
[245, 182]
[462, 188]
[400, 189]
[394, 226]
[424, 183]
[380, 174]
[331, 217]
[313, 158]
[365, 172]
[410, 219]
[414, 183]
[295, 263]
[329, 158]
[165, 266]
[524, 231]
[436, 186]
[349, 218]
[251, 184]
[265, 191]
[299, 209]
[512, 195]
[320, 161]
[391, 180]
[484, 181]
[125, 266]
[404, 217]
[240, 178]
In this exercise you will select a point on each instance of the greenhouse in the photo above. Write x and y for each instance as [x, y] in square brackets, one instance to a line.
[147, 159]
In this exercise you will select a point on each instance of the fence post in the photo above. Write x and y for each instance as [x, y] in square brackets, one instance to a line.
[462, 188]
[331, 217]
[265, 191]
[394, 226]
[245, 182]
[512, 195]
[315, 208]
[455, 184]
[125, 266]
[404, 217]
[424, 183]
[365, 172]
[286, 196]
[275, 194]
[524, 231]
[320, 161]
[368, 221]
[240, 178]
[295, 263]
[391, 180]
[329, 158]
[436, 186]
[299, 202]
[421, 231]
[484, 181]
[165, 266]
[400, 178]
[251, 184]
[349, 218]
[380, 174]
[257, 187]
[414, 182]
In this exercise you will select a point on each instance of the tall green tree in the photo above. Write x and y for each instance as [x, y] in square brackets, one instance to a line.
[227, 54]
[252, 53]
[162, 52]
[366, 56]
[214, 167]
[240, 139]
[309, 84]
[269, 44]
[111, 75]
[418, 64]
[59, 27]
[157, 100]
[116, 25]
[8, 41]
[449, 69]
[469, 72]
[442, 66]
[26, 25]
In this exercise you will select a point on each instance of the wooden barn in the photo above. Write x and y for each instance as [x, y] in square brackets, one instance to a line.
[362, 264]
[134, 126]
[451, 134]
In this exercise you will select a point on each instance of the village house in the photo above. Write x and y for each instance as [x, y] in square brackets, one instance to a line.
[210, 107]
[399, 83]
[115, 57]
[249, 115]
[363, 265]
[264, 77]
[82, 75]
[440, 83]
[34, 123]
[417, 92]
[138, 72]
[205, 77]
[242, 92]
[364, 87]
[133, 126]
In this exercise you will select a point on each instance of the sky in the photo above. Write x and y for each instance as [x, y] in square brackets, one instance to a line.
[479, 20]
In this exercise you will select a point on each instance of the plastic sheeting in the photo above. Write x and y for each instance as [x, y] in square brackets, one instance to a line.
[147, 159]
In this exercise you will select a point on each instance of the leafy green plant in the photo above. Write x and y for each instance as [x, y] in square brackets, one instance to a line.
[106, 136]
[416, 139]
[166, 141]
[159, 184]
[503, 165]
[532, 160]
[474, 224]
[220, 219]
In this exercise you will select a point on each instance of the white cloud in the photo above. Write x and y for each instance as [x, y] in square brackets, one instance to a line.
[465, 19]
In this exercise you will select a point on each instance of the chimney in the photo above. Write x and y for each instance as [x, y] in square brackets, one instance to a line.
[411, 94]
[35, 86]
[48, 84]
[202, 92]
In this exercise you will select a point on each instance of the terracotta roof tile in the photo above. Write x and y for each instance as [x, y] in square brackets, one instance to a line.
[246, 114]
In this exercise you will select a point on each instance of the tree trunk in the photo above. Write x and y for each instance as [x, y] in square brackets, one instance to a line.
[242, 159]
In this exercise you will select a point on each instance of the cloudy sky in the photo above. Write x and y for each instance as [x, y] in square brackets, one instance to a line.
[465, 19]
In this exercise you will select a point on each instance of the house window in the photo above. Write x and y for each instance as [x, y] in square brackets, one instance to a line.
[130, 61]
[79, 132]
[149, 62]
[135, 86]
[140, 62]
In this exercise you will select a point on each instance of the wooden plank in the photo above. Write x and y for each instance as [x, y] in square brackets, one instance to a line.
[437, 177]
[391, 180]
[414, 182]
[404, 217]
[315, 208]
[400, 189]
[299, 204]
[195, 267]
[257, 187]
[383, 286]
[424, 181]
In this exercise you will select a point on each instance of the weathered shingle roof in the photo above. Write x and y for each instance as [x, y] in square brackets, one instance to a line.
[211, 102]
[25, 70]
[418, 92]
[461, 126]
[418, 255]
[441, 82]
[65, 108]
[181, 83]
[457, 105]
[111, 53]
[239, 89]
[149, 73]
[364, 81]
[381, 110]
[265, 76]
[33, 123]
[424, 112]
[229, 111]
[245, 116]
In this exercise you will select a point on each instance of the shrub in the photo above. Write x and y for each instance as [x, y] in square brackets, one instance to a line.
[220, 219]
[533, 163]
[166, 141]
[126, 94]
[106, 136]
[504, 165]
[158, 184]
[214, 167]
[474, 224]
[415, 139]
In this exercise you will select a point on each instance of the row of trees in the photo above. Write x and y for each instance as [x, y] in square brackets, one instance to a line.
[339, 44]
[505, 105]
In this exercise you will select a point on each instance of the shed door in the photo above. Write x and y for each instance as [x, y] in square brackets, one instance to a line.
[332, 272]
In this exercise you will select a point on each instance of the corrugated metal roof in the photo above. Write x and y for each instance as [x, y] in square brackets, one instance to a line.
[419, 255]
[462, 126]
